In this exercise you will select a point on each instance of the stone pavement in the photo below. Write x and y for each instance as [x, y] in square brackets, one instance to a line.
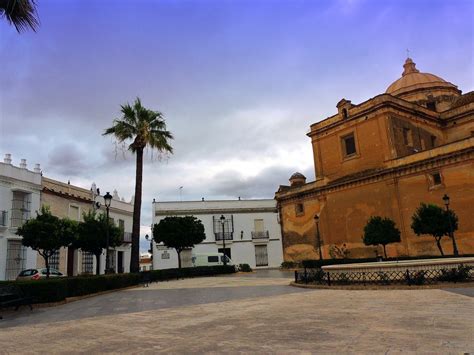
[248, 314]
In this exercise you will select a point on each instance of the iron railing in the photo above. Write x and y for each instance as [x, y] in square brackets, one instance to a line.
[260, 235]
[402, 277]
[20, 212]
[227, 236]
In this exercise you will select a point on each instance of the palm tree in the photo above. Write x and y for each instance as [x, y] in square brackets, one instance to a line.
[145, 128]
[20, 13]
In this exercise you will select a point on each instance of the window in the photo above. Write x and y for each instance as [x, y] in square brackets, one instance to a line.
[431, 105]
[74, 213]
[348, 145]
[213, 259]
[225, 251]
[344, 113]
[165, 255]
[436, 178]
[121, 224]
[87, 263]
[407, 137]
[54, 260]
[299, 209]
[433, 141]
[20, 208]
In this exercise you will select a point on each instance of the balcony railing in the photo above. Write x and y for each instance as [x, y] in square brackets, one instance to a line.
[227, 236]
[127, 237]
[3, 218]
[260, 235]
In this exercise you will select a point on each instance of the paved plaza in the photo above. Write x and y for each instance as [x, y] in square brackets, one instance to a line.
[255, 312]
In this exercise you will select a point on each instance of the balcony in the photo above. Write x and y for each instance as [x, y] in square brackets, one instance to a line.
[127, 237]
[260, 236]
[227, 236]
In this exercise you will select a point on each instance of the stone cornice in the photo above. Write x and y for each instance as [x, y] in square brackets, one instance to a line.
[375, 176]
[191, 212]
[66, 195]
[372, 105]
[15, 183]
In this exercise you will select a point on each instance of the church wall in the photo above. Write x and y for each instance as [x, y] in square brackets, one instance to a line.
[371, 142]
[344, 213]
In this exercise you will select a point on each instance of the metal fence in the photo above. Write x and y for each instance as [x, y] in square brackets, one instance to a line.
[402, 277]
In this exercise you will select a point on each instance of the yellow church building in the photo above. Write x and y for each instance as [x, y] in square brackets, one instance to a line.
[412, 144]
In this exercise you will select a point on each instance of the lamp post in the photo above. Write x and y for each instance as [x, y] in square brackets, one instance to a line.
[451, 234]
[318, 236]
[107, 201]
[223, 237]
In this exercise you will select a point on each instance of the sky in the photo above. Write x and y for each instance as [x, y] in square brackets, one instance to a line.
[239, 83]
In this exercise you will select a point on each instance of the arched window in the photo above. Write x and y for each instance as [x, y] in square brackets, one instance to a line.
[344, 113]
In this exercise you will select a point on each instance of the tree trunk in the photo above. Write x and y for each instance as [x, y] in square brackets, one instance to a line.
[438, 243]
[455, 247]
[135, 256]
[97, 264]
[384, 251]
[179, 258]
[46, 263]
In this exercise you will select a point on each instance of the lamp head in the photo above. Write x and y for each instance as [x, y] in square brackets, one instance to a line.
[446, 199]
[107, 199]
[316, 217]
[222, 218]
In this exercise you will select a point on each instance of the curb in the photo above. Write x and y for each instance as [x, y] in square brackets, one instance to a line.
[384, 287]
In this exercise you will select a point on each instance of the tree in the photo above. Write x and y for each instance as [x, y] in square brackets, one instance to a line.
[145, 128]
[47, 234]
[433, 220]
[20, 13]
[179, 233]
[92, 235]
[381, 231]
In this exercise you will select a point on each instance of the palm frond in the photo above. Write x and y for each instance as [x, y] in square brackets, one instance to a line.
[20, 13]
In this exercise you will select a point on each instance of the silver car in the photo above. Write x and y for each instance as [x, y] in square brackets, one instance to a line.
[36, 274]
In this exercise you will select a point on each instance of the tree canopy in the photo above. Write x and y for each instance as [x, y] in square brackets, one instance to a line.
[20, 13]
[47, 234]
[92, 235]
[381, 231]
[141, 128]
[433, 220]
[179, 233]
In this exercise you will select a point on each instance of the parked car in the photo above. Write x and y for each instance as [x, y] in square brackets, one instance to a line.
[36, 274]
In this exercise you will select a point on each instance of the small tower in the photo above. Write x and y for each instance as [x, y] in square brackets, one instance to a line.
[297, 179]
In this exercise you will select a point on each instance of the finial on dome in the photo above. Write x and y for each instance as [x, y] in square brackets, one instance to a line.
[409, 67]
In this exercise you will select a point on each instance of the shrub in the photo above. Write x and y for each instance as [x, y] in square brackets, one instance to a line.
[459, 274]
[245, 268]
[289, 265]
[45, 290]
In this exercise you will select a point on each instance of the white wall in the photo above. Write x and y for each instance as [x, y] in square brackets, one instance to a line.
[13, 178]
[242, 247]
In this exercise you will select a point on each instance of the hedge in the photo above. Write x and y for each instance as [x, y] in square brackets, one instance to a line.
[58, 289]
[316, 264]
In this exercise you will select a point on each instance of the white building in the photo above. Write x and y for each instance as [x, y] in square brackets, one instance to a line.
[251, 230]
[20, 190]
[67, 200]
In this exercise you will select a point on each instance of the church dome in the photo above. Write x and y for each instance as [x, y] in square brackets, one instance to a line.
[412, 79]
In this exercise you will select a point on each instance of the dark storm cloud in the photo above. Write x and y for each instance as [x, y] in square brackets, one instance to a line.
[263, 185]
[67, 159]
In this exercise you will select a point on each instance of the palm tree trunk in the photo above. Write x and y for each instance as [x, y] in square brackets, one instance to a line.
[135, 257]
[384, 251]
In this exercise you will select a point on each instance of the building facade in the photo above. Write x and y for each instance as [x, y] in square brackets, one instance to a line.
[412, 144]
[66, 200]
[20, 190]
[251, 231]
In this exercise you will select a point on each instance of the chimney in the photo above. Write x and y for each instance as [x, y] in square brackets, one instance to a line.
[37, 168]
[7, 159]
[23, 164]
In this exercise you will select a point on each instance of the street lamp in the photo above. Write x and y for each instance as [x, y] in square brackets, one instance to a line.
[223, 237]
[318, 236]
[451, 234]
[107, 202]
